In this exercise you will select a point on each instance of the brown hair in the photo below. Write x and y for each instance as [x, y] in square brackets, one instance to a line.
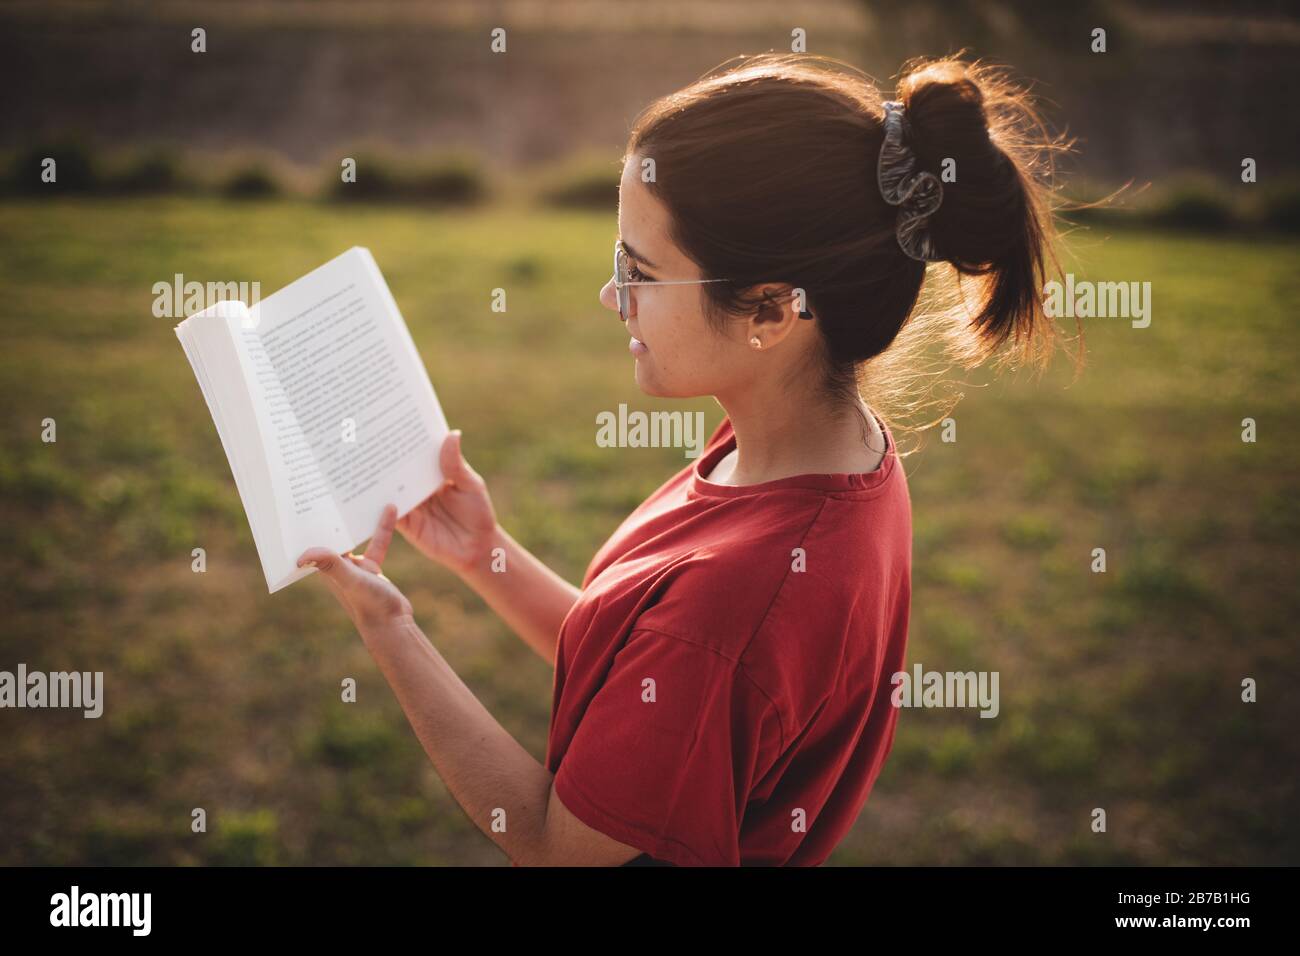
[767, 166]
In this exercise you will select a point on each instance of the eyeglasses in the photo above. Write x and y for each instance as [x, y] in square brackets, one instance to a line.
[622, 282]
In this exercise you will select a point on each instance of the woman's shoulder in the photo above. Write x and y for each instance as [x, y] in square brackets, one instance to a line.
[790, 576]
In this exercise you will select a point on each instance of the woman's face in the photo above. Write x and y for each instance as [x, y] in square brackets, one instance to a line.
[677, 353]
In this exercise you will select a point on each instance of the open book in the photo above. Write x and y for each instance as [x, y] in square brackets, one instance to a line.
[324, 409]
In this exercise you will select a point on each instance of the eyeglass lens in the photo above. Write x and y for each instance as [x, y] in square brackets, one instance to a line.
[620, 283]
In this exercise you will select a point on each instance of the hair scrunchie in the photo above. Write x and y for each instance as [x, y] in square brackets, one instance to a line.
[916, 194]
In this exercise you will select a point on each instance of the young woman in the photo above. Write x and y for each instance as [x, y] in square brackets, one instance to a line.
[722, 678]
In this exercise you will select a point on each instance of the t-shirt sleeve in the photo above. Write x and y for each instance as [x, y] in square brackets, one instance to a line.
[669, 748]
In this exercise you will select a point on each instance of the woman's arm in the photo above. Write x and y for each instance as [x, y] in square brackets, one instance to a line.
[457, 527]
[504, 790]
[507, 793]
[527, 595]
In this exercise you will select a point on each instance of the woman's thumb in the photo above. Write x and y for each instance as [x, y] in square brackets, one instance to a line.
[335, 567]
[450, 459]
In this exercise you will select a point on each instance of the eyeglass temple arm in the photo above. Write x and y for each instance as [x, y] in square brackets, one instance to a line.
[671, 281]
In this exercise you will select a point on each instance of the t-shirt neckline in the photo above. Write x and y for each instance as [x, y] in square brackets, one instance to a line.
[840, 481]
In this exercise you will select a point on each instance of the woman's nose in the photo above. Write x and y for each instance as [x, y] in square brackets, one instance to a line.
[609, 296]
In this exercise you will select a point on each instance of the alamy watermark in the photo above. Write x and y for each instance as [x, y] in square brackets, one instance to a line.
[75, 908]
[1084, 299]
[178, 298]
[75, 689]
[924, 688]
[637, 429]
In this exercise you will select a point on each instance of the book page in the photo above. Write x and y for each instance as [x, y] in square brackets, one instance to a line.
[350, 420]
[209, 344]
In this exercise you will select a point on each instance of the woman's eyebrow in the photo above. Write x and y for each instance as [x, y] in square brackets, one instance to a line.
[637, 256]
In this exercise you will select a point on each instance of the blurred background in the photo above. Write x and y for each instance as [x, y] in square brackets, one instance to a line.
[479, 170]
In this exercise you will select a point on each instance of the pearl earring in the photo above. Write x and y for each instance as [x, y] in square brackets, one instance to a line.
[756, 342]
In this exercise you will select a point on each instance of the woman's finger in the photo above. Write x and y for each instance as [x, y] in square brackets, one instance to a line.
[316, 557]
[383, 536]
[336, 567]
[338, 571]
[450, 460]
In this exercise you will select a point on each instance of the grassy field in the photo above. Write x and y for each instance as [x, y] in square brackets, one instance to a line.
[1118, 690]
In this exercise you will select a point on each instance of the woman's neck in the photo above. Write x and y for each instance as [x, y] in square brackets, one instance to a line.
[779, 437]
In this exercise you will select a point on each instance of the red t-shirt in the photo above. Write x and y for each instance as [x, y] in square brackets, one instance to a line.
[722, 686]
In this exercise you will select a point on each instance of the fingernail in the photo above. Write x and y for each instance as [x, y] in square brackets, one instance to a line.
[307, 564]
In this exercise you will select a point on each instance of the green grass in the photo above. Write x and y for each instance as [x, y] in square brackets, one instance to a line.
[1118, 690]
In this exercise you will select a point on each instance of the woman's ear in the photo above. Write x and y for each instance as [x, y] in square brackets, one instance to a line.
[782, 297]
[776, 315]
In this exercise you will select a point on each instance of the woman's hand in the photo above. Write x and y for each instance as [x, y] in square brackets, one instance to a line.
[456, 525]
[371, 600]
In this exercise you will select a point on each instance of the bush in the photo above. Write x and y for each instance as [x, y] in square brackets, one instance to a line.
[253, 180]
[453, 180]
[158, 170]
[449, 179]
[586, 182]
[1279, 206]
[75, 169]
[1192, 203]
